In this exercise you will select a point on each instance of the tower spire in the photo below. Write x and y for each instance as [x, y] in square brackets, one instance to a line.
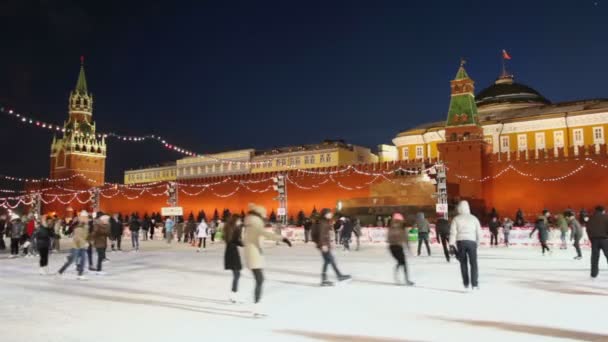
[81, 84]
[463, 110]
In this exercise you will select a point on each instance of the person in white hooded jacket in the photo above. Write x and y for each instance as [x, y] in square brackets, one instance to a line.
[201, 234]
[465, 233]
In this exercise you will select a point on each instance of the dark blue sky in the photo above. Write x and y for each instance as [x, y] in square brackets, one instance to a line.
[221, 75]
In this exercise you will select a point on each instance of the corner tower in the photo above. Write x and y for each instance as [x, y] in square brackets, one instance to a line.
[79, 150]
[464, 148]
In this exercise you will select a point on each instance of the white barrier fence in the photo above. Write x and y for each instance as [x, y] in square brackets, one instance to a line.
[519, 236]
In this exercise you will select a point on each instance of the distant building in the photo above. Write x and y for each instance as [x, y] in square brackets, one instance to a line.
[240, 162]
[166, 172]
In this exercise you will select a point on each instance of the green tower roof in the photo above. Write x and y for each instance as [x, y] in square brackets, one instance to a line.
[463, 110]
[81, 85]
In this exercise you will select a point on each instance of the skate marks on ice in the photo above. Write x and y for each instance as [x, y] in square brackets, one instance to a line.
[562, 287]
[529, 329]
[84, 293]
[338, 337]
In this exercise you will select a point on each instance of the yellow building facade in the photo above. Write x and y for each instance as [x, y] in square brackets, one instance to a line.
[515, 117]
[151, 174]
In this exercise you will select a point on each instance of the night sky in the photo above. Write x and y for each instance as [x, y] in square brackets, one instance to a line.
[223, 75]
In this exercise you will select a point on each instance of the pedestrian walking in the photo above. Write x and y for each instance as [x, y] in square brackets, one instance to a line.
[212, 229]
[80, 240]
[423, 233]
[321, 237]
[465, 233]
[179, 227]
[442, 230]
[232, 259]
[254, 259]
[357, 230]
[307, 227]
[145, 227]
[189, 229]
[597, 231]
[346, 232]
[397, 239]
[169, 225]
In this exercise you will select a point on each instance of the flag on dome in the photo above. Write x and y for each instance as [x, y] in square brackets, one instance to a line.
[505, 55]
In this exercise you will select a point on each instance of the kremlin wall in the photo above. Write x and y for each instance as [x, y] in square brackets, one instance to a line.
[506, 147]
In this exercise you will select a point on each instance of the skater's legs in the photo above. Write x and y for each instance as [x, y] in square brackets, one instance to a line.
[14, 246]
[426, 242]
[328, 259]
[259, 280]
[118, 241]
[80, 255]
[236, 275]
[444, 244]
[101, 255]
[464, 270]
[472, 254]
[595, 256]
[44, 256]
[577, 246]
[90, 255]
[71, 258]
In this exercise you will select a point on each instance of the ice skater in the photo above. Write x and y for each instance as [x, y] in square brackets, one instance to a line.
[80, 238]
[15, 228]
[542, 227]
[202, 231]
[442, 230]
[597, 231]
[423, 233]
[169, 224]
[576, 234]
[232, 258]
[562, 225]
[99, 238]
[506, 230]
[321, 237]
[465, 233]
[494, 225]
[397, 239]
[43, 235]
[254, 231]
[346, 233]
[116, 228]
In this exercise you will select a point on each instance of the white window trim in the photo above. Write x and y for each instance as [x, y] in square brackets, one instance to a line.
[598, 140]
[405, 153]
[420, 148]
[538, 144]
[582, 141]
[557, 144]
[505, 147]
[520, 146]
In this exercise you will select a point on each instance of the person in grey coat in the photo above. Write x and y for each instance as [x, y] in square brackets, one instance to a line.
[16, 231]
[576, 235]
[423, 232]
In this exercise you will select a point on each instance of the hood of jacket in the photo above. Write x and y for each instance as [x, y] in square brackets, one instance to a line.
[464, 208]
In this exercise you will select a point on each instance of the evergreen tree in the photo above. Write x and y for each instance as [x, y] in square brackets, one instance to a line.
[191, 216]
[242, 214]
[273, 217]
[314, 212]
[216, 215]
[301, 218]
[291, 221]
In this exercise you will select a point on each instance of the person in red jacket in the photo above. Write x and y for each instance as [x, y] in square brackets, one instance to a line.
[27, 241]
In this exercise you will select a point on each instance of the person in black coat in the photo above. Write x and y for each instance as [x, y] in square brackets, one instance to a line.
[494, 225]
[134, 226]
[307, 227]
[44, 233]
[116, 228]
[519, 218]
[232, 258]
[442, 230]
[346, 232]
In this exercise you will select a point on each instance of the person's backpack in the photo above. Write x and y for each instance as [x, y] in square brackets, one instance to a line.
[315, 233]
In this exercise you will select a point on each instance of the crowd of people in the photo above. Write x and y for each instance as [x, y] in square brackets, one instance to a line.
[32, 235]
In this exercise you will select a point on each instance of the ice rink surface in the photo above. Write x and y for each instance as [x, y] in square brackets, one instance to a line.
[175, 294]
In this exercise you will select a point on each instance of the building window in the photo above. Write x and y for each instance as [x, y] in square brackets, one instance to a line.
[278, 162]
[540, 141]
[504, 144]
[558, 139]
[579, 139]
[322, 159]
[419, 152]
[328, 158]
[292, 161]
[405, 152]
[598, 135]
[489, 140]
[298, 160]
[522, 142]
[312, 159]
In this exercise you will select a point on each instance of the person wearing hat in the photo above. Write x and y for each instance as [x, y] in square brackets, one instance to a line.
[15, 228]
[80, 240]
[542, 225]
[442, 231]
[346, 232]
[397, 238]
[254, 259]
[321, 236]
[423, 233]
[99, 238]
[597, 231]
